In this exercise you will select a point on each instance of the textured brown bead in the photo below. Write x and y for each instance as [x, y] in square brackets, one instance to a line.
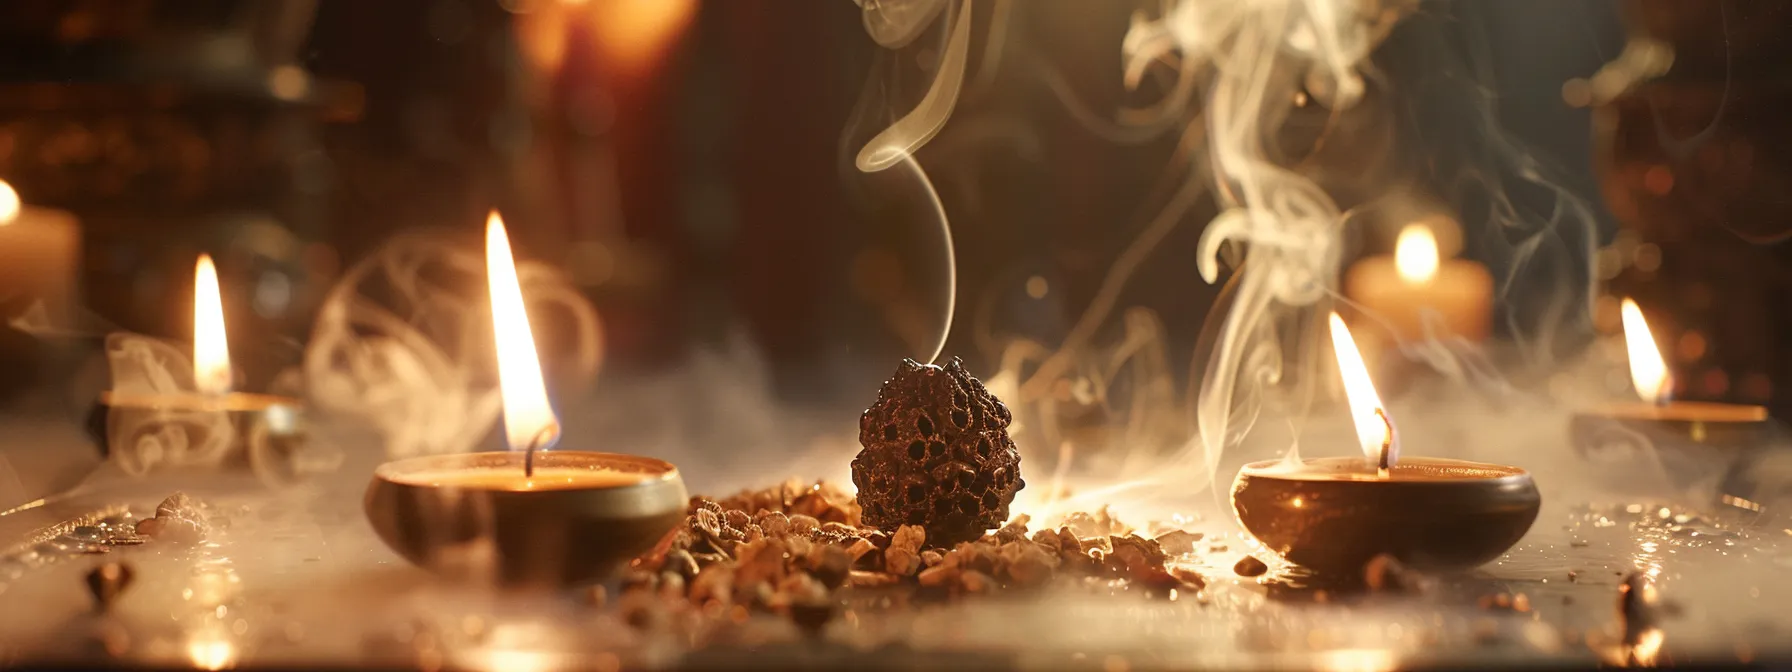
[936, 454]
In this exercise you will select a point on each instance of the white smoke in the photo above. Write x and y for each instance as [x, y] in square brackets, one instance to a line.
[894, 24]
[1262, 58]
[402, 344]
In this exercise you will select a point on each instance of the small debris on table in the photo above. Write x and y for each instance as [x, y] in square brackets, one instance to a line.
[1250, 566]
[1179, 542]
[179, 518]
[1385, 573]
[783, 558]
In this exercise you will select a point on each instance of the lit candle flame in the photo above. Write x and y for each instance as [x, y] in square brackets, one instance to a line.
[211, 654]
[1647, 648]
[1647, 370]
[211, 352]
[9, 204]
[1415, 255]
[528, 420]
[1374, 428]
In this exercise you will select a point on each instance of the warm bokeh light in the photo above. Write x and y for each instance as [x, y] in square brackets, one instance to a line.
[1366, 412]
[1647, 648]
[527, 415]
[629, 34]
[209, 651]
[211, 352]
[1415, 254]
[1647, 370]
[1357, 660]
[9, 203]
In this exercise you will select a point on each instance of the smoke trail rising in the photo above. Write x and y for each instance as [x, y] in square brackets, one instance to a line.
[1262, 54]
[1519, 215]
[914, 129]
[894, 24]
[398, 339]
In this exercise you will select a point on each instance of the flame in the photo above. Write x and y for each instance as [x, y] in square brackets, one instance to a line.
[1358, 660]
[1374, 430]
[9, 203]
[1647, 648]
[1647, 370]
[210, 650]
[211, 352]
[527, 417]
[1415, 255]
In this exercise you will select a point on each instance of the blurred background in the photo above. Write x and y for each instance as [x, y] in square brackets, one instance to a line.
[688, 165]
[686, 162]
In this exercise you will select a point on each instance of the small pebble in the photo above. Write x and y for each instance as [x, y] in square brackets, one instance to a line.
[594, 596]
[149, 527]
[860, 579]
[811, 618]
[1178, 542]
[1250, 566]
[1385, 573]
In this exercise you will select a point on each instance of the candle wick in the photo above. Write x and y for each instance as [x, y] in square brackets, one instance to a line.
[548, 433]
[1384, 460]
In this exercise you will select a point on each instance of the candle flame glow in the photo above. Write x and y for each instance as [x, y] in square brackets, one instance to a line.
[528, 420]
[1647, 648]
[211, 352]
[210, 650]
[1647, 370]
[1374, 428]
[631, 35]
[1415, 255]
[9, 203]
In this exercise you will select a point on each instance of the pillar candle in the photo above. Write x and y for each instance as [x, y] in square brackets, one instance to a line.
[1413, 288]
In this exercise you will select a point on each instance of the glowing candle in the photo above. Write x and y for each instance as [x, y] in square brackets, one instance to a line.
[1374, 429]
[544, 478]
[39, 252]
[1417, 295]
[1658, 445]
[556, 517]
[143, 395]
[1334, 514]
[528, 420]
[1654, 384]
[211, 351]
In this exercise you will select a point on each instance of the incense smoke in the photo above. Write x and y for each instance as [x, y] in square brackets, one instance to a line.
[1306, 147]
[141, 440]
[403, 343]
[895, 24]
[1265, 55]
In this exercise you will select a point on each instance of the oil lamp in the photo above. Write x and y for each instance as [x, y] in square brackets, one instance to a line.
[532, 515]
[214, 418]
[1685, 443]
[1334, 514]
